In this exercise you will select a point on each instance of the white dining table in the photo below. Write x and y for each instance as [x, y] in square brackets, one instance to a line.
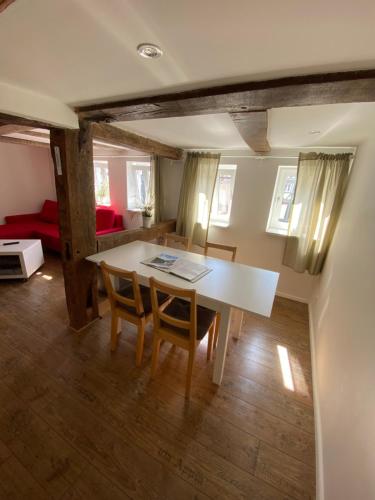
[228, 285]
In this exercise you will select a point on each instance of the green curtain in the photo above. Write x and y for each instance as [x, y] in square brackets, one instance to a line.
[321, 184]
[197, 189]
[156, 187]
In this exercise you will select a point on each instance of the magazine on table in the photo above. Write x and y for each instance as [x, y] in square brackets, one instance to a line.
[178, 266]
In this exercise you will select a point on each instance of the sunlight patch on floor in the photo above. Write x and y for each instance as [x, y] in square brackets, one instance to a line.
[285, 367]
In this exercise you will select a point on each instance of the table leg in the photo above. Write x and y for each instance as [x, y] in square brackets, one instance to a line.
[236, 323]
[222, 343]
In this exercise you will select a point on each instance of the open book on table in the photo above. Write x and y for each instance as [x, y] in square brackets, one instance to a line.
[178, 266]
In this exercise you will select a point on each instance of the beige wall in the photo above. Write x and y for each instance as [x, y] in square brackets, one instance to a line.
[26, 179]
[343, 341]
[255, 180]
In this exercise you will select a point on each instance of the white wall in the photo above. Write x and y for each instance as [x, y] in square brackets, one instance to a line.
[255, 180]
[26, 179]
[343, 344]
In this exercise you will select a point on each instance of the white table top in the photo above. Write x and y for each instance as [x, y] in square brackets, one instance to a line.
[19, 248]
[228, 284]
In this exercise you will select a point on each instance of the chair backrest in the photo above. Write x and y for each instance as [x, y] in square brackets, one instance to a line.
[226, 248]
[175, 238]
[115, 299]
[168, 320]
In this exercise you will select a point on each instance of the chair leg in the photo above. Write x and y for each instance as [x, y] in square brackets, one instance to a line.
[189, 374]
[155, 355]
[114, 334]
[140, 342]
[217, 326]
[211, 334]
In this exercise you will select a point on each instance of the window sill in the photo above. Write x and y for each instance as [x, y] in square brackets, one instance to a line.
[219, 224]
[276, 232]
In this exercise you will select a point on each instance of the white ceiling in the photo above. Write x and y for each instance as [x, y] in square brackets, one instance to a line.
[85, 50]
[201, 131]
[80, 51]
[338, 124]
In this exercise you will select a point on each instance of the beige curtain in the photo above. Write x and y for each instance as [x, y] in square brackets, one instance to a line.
[321, 184]
[156, 188]
[197, 189]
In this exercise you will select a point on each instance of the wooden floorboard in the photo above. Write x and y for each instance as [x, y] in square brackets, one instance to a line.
[79, 422]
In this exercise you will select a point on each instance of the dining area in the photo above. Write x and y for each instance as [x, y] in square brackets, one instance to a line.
[182, 312]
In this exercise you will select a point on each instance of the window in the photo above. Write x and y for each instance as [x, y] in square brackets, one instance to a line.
[102, 196]
[138, 182]
[223, 194]
[282, 200]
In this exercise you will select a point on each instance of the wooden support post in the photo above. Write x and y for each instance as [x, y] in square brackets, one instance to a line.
[74, 175]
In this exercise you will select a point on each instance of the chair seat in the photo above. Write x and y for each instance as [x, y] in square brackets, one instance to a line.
[127, 291]
[180, 309]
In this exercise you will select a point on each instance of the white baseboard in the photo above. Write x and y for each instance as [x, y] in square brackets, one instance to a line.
[317, 420]
[292, 297]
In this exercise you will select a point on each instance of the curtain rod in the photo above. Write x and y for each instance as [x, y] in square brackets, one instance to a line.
[257, 157]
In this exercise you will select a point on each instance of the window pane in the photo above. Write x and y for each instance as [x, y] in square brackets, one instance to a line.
[102, 195]
[287, 198]
[138, 183]
[223, 194]
[282, 200]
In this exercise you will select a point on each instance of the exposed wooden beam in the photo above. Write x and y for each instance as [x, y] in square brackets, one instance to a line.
[253, 128]
[117, 136]
[23, 142]
[74, 178]
[307, 90]
[4, 4]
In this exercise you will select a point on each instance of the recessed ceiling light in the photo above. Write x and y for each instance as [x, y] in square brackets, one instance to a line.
[314, 132]
[149, 50]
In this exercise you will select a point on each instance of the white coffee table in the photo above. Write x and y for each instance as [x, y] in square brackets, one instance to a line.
[20, 260]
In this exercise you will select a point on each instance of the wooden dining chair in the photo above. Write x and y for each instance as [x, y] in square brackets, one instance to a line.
[131, 302]
[181, 322]
[226, 248]
[233, 251]
[170, 238]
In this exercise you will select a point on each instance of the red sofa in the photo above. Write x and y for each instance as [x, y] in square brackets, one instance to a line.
[44, 225]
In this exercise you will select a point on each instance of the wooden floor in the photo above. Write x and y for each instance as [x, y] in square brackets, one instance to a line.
[77, 422]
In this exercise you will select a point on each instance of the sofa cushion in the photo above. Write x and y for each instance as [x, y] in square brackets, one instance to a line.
[49, 235]
[50, 212]
[20, 231]
[105, 218]
[22, 219]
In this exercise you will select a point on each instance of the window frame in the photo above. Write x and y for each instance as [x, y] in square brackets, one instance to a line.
[104, 165]
[275, 226]
[215, 219]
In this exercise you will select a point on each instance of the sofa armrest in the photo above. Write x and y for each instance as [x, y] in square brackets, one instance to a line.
[19, 219]
[119, 222]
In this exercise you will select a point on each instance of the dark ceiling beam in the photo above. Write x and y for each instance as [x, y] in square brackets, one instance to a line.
[307, 90]
[252, 125]
[4, 4]
[117, 136]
